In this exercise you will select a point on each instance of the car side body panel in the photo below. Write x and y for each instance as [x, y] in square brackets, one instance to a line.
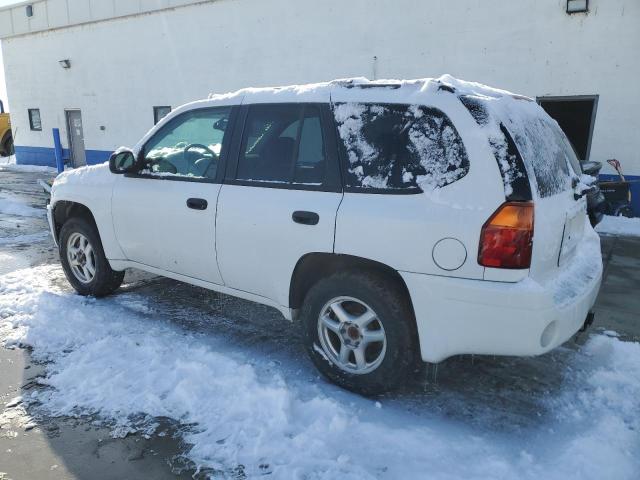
[258, 242]
[91, 187]
[435, 232]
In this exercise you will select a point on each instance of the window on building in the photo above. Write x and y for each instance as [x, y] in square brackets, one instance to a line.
[159, 113]
[576, 116]
[34, 119]
[283, 144]
[577, 6]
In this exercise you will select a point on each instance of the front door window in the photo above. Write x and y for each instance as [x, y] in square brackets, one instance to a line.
[189, 145]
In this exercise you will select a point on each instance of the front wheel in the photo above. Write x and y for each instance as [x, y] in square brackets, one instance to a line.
[359, 330]
[83, 260]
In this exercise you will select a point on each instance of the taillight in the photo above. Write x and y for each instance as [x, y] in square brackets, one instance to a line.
[506, 238]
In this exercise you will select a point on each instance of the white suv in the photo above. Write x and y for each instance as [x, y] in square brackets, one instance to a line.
[394, 220]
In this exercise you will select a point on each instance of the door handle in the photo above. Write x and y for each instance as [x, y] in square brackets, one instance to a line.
[305, 218]
[197, 203]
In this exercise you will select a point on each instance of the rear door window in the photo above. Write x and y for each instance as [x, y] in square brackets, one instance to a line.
[399, 147]
[283, 144]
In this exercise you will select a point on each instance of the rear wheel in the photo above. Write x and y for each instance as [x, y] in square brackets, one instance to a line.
[359, 330]
[83, 260]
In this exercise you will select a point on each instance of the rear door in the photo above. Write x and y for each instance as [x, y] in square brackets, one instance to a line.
[280, 197]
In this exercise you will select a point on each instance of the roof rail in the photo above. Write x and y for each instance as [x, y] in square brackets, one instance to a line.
[357, 83]
[446, 88]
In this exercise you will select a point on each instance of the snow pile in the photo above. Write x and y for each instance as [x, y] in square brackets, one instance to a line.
[609, 402]
[10, 160]
[126, 365]
[619, 226]
[9, 206]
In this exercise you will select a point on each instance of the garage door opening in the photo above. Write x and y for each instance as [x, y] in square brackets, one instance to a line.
[576, 116]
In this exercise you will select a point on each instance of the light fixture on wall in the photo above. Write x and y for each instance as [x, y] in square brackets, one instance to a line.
[66, 63]
[577, 6]
[29, 10]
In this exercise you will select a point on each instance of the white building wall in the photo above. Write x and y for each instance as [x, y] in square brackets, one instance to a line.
[121, 68]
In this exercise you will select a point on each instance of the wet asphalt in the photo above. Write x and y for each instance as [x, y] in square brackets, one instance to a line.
[502, 391]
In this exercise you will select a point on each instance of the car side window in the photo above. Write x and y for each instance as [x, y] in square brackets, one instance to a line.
[283, 144]
[188, 145]
[399, 147]
[311, 161]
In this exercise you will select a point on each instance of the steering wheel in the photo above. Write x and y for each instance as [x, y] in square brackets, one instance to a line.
[198, 163]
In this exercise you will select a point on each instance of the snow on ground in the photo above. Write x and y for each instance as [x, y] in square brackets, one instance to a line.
[11, 206]
[9, 163]
[128, 365]
[10, 160]
[619, 226]
[27, 239]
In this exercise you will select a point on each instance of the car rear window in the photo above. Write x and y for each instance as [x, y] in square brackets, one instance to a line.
[399, 146]
[543, 144]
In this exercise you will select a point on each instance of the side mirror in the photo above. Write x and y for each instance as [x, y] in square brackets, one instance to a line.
[122, 161]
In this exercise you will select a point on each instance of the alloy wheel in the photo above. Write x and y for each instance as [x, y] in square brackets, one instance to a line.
[81, 257]
[351, 335]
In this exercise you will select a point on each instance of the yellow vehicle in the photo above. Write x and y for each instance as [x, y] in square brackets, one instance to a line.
[6, 142]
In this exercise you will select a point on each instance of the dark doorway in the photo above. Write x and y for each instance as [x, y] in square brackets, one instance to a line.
[576, 116]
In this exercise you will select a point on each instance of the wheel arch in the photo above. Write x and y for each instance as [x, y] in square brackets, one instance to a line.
[313, 267]
[63, 210]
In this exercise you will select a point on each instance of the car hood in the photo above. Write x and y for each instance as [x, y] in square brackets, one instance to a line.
[89, 175]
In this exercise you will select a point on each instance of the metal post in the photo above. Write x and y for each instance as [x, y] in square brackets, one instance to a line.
[57, 147]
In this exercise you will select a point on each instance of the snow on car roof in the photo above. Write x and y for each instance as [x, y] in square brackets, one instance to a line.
[361, 89]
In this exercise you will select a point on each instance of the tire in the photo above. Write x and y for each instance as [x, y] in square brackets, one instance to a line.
[103, 280]
[361, 294]
[7, 145]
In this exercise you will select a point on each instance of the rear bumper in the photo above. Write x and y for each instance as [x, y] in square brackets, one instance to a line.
[458, 316]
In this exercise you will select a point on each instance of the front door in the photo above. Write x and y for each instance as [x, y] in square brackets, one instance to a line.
[165, 217]
[76, 137]
[280, 201]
